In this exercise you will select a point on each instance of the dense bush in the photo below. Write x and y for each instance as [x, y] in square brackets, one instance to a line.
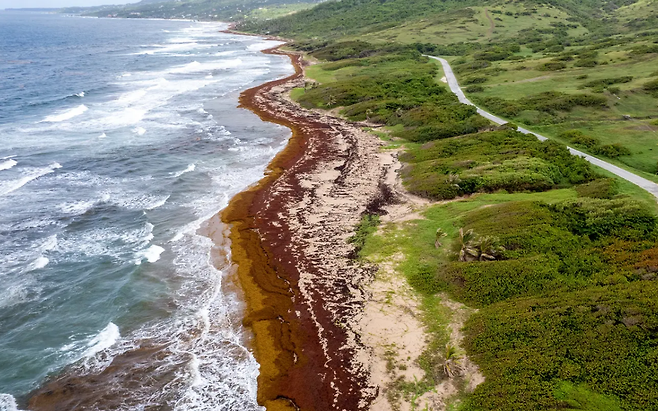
[604, 336]
[611, 150]
[490, 161]
[608, 81]
[651, 86]
[596, 217]
[552, 66]
[547, 102]
[474, 80]
[585, 63]
[599, 188]
[474, 89]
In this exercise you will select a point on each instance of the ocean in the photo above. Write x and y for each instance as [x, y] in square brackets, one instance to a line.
[119, 139]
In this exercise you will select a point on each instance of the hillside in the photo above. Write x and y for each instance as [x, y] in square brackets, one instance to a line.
[558, 257]
[222, 10]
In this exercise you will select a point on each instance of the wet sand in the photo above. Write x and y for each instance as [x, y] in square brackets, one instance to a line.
[288, 238]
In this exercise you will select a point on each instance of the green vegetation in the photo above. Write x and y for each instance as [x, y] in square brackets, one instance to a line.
[554, 234]
[366, 227]
[559, 256]
[550, 67]
[222, 10]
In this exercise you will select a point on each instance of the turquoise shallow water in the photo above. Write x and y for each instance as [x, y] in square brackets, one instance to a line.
[119, 138]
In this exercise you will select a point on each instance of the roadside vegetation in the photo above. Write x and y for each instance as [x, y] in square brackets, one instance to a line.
[559, 257]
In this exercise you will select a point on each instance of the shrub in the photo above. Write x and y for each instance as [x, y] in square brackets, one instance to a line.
[651, 86]
[585, 63]
[474, 89]
[487, 282]
[609, 81]
[596, 217]
[474, 80]
[600, 188]
[612, 150]
[552, 66]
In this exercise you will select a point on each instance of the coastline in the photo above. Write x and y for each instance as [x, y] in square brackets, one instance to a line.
[288, 239]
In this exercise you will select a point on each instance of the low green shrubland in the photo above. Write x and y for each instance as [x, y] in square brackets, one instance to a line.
[490, 161]
[550, 102]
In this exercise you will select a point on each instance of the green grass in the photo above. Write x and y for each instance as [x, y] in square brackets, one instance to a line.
[279, 10]
[515, 80]
[580, 397]
[296, 93]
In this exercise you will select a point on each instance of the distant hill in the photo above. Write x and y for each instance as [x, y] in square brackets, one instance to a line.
[376, 18]
[223, 10]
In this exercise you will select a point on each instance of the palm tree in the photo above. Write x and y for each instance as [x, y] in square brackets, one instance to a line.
[474, 248]
[467, 248]
[488, 248]
[451, 366]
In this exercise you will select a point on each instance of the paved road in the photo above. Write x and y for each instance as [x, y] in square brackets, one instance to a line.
[648, 185]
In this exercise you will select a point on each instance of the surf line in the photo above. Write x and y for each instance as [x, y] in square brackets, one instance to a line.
[295, 371]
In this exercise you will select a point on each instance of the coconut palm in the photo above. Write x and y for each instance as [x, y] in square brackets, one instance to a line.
[488, 248]
[467, 247]
[451, 366]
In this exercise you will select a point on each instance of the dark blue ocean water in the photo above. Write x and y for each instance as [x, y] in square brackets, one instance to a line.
[118, 140]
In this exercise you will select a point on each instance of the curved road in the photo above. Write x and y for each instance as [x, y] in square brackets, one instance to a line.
[650, 186]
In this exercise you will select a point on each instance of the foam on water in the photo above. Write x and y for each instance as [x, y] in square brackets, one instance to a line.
[30, 174]
[8, 403]
[189, 168]
[151, 254]
[196, 67]
[66, 115]
[120, 202]
[106, 338]
[6, 165]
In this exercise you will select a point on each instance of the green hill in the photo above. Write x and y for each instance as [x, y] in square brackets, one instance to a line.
[222, 10]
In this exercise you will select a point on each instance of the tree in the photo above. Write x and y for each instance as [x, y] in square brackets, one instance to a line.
[451, 365]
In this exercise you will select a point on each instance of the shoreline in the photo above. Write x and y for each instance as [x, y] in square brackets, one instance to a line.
[288, 235]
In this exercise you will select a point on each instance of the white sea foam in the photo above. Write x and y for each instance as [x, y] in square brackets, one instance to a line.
[39, 263]
[196, 67]
[264, 45]
[7, 187]
[8, 403]
[102, 135]
[131, 97]
[174, 48]
[140, 131]
[152, 254]
[106, 338]
[66, 115]
[6, 165]
[81, 94]
[77, 207]
[189, 168]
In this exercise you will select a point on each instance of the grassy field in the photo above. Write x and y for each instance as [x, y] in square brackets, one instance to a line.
[278, 10]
